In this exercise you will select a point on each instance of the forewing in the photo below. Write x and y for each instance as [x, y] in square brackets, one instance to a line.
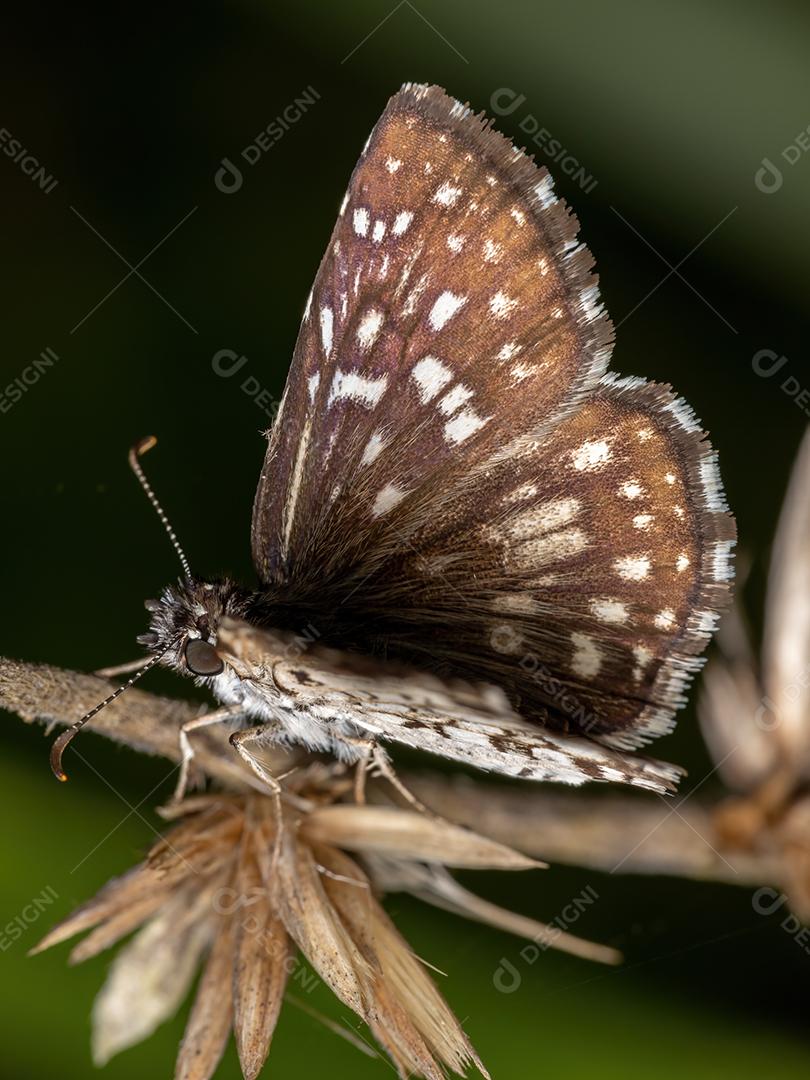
[453, 317]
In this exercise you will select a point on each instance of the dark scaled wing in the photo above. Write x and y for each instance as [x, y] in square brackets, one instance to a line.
[454, 480]
[453, 314]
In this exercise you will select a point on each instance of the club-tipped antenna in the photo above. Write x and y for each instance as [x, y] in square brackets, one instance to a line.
[60, 744]
[136, 452]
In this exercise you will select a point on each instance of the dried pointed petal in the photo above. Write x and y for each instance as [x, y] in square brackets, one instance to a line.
[412, 1016]
[117, 927]
[409, 835]
[209, 1023]
[260, 967]
[434, 885]
[314, 925]
[349, 890]
[150, 977]
[731, 713]
[786, 641]
[117, 895]
[194, 804]
[196, 843]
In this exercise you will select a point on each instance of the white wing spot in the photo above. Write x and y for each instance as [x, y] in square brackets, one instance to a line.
[369, 328]
[430, 375]
[681, 563]
[313, 383]
[631, 489]
[356, 387]
[492, 251]
[525, 491]
[446, 195]
[591, 455]
[401, 222]
[392, 164]
[379, 231]
[327, 321]
[644, 434]
[643, 521]
[454, 399]
[544, 518]
[361, 222]
[665, 620]
[502, 305]
[509, 350]
[670, 478]
[522, 371]
[456, 242]
[632, 567]
[518, 215]
[587, 658]
[445, 308]
[387, 498]
[610, 611]
[549, 547]
[642, 656]
[522, 603]
[534, 536]
[374, 447]
[464, 424]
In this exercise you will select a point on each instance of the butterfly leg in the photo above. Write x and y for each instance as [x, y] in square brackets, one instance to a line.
[217, 716]
[261, 733]
[373, 756]
[382, 763]
[366, 748]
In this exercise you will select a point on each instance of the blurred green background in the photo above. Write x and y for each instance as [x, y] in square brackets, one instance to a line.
[670, 109]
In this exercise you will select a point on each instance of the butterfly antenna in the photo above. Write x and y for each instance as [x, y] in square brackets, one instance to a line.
[136, 452]
[61, 743]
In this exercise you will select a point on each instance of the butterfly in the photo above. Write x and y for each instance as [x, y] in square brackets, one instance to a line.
[470, 538]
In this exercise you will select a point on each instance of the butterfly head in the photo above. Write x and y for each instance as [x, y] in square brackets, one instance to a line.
[184, 623]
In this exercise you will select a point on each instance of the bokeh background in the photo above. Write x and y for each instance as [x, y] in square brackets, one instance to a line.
[670, 110]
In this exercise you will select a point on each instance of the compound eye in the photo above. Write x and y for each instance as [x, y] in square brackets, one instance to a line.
[201, 658]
